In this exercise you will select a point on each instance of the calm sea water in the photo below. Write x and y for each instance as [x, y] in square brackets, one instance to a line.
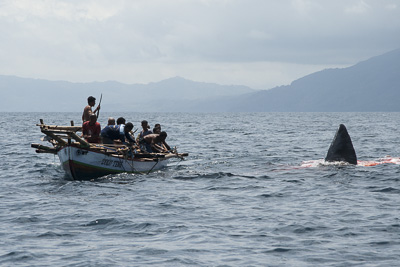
[240, 199]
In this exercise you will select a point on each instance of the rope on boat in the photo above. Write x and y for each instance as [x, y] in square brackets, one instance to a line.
[122, 163]
[153, 166]
[130, 163]
[182, 159]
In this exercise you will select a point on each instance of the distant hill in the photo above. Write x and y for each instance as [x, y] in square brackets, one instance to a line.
[371, 85]
[25, 94]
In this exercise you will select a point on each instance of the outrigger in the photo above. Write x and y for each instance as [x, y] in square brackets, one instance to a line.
[84, 161]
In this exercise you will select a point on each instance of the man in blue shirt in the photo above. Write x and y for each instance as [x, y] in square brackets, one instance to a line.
[117, 132]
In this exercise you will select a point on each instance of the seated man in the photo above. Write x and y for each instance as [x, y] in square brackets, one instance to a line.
[145, 131]
[91, 129]
[157, 130]
[155, 143]
[140, 138]
[111, 121]
[112, 133]
[121, 120]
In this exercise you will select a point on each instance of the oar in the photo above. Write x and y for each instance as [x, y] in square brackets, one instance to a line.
[98, 111]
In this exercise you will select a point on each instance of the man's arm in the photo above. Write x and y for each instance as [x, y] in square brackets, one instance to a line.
[166, 145]
[86, 113]
[156, 148]
[130, 139]
[97, 109]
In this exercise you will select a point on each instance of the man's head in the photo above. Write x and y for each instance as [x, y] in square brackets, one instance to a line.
[145, 125]
[111, 121]
[91, 101]
[121, 120]
[163, 135]
[156, 130]
[128, 127]
[92, 119]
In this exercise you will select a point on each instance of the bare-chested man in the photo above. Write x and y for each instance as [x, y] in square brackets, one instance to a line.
[155, 142]
[87, 111]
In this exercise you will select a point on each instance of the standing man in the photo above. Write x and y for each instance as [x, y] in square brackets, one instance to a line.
[87, 111]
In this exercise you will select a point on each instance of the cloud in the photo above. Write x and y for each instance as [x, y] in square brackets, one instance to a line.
[148, 40]
[391, 6]
[361, 7]
[25, 10]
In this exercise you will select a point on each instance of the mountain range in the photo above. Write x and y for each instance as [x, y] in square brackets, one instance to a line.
[370, 85]
[25, 94]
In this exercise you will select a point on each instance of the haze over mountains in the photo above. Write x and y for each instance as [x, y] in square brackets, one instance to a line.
[371, 85]
[24, 94]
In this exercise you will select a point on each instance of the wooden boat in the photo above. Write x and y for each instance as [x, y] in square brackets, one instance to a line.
[83, 161]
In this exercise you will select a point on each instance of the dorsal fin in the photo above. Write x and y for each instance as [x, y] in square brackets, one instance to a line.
[341, 148]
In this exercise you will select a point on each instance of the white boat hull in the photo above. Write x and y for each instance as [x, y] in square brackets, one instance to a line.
[83, 164]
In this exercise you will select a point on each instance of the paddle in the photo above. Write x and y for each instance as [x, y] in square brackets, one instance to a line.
[98, 111]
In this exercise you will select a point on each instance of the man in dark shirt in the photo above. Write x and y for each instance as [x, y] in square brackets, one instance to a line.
[145, 131]
[117, 132]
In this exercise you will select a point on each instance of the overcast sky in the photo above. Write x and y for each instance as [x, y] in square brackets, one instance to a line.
[258, 43]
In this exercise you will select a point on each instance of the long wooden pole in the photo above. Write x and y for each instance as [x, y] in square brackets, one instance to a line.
[80, 140]
[55, 137]
[98, 111]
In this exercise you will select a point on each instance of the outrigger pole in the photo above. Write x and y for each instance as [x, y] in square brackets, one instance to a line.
[98, 112]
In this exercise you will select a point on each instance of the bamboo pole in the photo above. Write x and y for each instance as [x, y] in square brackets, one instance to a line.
[80, 140]
[62, 128]
[42, 147]
[45, 151]
[55, 137]
[177, 155]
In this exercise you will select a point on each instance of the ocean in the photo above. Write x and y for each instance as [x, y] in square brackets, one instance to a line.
[254, 191]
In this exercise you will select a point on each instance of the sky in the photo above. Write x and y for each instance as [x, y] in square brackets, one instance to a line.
[258, 43]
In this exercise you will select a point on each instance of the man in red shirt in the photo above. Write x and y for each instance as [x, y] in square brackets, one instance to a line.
[91, 130]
